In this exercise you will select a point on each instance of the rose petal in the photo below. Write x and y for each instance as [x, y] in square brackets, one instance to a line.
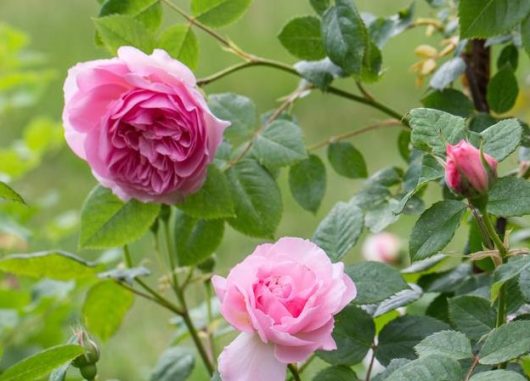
[248, 358]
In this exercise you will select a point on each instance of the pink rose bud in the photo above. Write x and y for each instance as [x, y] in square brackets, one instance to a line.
[141, 124]
[382, 247]
[466, 172]
[283, 298]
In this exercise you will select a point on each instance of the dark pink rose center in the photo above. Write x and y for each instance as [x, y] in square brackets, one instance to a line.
[154, 140]
[283, 291]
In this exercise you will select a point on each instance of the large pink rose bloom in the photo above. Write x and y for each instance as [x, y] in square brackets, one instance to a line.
[283, 298]
[141, 124]
[465, 173]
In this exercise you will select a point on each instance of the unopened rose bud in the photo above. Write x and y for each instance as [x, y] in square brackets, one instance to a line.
[382, 247]
[91, 355]
[468, 172]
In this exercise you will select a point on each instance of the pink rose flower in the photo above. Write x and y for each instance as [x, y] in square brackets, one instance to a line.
[141, 124]
[465, 172]
[283, 298]
[382, 247]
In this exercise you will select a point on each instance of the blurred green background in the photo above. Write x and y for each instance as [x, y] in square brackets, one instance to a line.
[63, 31]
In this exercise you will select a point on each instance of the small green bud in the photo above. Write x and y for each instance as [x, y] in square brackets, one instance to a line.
[89, 372]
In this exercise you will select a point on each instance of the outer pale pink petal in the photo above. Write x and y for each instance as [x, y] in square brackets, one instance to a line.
[247, 358]
[157, 63]
[320, 339]
[219, 285]
[75, 140]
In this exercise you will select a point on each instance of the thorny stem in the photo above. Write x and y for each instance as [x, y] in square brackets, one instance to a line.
[294, 372]
[351, 134]
[252, 60]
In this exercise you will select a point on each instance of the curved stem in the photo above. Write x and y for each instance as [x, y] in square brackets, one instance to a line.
[294, 372]
[252, 60]
[154, 294]
[179, 293]
[198, 24]
[472, 368]
[351, 134]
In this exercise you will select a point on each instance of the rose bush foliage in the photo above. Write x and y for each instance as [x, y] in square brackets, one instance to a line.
[173, 161]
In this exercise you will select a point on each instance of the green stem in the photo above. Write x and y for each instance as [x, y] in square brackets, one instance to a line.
[294, 372]
[252, 60]
[179, 293]
[490, 228]
[258, 61]
[501, 302]
[155, 295]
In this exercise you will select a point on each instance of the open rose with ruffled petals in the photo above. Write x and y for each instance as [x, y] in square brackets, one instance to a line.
[141, 124]
[283, 298]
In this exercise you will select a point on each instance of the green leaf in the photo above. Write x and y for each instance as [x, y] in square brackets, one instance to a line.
[503, 90]
[307, 181]
[432, 368]
[345, 36]
[7, 193]
[432, 129]
[502, 201]
[339, 231]
[181, 43]
[394, 365]
[121, 30]
[435, 228]
[450, 344]
[496, 375]
[175, 364]
[320, 6]
[447, 73]
[367, 277]
[47, 264]
[353, 340]
[506, 343]
[105, 307]
[501, 139]
[107, 222]
[472, 315]
[381, 216]
[487, 18]
[400, 299]
[372, 64]
[525, 34]
[336, 373]
[59, 374]
[424, 265]
[257, 199]
[213, 200]
[446, 281]
[301, 36]
[240, 111]
[148, 12]
[398, 338]
[509, 56]
[346, 160]
[320, 73]
[41, 364]
[524, 284]
[383, 28]
[196, 240]
[449, 100]
[508, 271]
[217, 13]
[280, 144]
